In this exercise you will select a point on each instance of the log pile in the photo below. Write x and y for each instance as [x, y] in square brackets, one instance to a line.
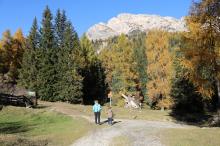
[130, 101]
[8, 99]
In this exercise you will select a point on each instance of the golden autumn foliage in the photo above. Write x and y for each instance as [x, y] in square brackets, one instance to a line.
[160, 68]
[5, 51]
[17, 53]
[201, 47]
[119, 66]
[12, 49]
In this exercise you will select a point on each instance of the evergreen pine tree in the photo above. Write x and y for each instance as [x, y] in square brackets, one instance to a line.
[47, 73]
[94, 87]
[141, 62]
[60, 26]
[69, 83]
[29, 69]
[183, 92]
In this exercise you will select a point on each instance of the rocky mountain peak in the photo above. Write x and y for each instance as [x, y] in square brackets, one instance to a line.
[126, 23]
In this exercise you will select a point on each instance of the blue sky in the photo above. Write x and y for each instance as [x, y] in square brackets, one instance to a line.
[84, 13]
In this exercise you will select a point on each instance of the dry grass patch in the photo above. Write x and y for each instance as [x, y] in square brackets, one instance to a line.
[191, 137]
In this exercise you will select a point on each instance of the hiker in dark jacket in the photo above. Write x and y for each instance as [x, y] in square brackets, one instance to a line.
[97, 111]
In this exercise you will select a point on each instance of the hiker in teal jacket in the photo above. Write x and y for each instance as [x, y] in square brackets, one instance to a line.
[97, 111]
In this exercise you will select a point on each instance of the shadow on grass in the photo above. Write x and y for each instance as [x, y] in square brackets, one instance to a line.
[13, 127]
[195, 119]
[41, 106]
[189, 106]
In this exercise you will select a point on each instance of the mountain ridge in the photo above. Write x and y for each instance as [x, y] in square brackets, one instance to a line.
[125, 23]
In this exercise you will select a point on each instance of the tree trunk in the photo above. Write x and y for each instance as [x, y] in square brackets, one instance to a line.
[131, 102]
[218, 89]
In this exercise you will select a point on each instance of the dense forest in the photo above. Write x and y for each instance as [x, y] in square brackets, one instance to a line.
[165, 70]
[52, 61]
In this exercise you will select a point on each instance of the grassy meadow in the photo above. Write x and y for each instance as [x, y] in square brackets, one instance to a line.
[24, 127]
[44, 126]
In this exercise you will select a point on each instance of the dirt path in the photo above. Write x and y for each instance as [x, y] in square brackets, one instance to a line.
[139, 133]
[136, 132]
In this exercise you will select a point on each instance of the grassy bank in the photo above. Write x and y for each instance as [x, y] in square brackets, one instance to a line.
[191, 137]
[21, 126]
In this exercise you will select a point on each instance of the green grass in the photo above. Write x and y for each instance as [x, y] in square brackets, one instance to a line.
[191, 137]
[43, 126]
[123, 113]
[143, 114]
[21, 126]
[120, 112]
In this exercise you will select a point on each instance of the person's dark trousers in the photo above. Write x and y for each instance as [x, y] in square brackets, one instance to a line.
[110, 121]
[97, 117]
